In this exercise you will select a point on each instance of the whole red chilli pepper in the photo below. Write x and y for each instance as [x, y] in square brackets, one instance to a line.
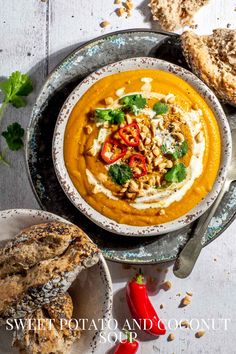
[141, 308]
[127, 346]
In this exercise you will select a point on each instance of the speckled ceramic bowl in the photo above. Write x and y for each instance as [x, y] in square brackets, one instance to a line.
[91, 291]
[58, 147]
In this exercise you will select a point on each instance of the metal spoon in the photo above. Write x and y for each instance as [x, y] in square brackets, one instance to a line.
[189, 254]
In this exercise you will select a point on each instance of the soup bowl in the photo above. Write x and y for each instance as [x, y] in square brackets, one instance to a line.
[183, 193]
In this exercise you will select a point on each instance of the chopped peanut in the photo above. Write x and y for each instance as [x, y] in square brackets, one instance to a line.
[200, 333]
[141, 146]
[162, 166]
[129, 5]
[185, 301]
[133, 186]
[145, 129]
[185, 324]
[129, 119]
[171, 99]
[143, 135]
[179, 136]
[161, 125]
[171, 337]
[104, 24]
[147, 141]
[169, 164]
[130, 195]
[162, 212]
[189, 293]
[156, 151]
[88, 129]
[175, 126]
[167, 285]
[137, 170]
[109, 100]
[159, 141]
[120, 11]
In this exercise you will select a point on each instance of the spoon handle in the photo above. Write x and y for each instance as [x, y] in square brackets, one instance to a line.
[189, 254]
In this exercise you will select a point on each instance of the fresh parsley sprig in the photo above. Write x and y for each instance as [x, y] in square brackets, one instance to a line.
[14, 90]
[180, 150]
[176, 174]
[13, 136]
[113, 116]
[160, 108]
[120, 173]
[133, 103]
[14, 139]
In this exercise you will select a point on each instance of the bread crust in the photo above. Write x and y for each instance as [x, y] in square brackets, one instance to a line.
[33, 286]
[45, 337]
[34, 244]
[213, 59]
[173, 14]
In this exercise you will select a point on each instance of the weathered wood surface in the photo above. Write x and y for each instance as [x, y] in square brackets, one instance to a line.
[35, 36]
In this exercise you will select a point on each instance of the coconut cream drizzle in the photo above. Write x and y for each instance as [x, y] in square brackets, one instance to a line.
[98, 187]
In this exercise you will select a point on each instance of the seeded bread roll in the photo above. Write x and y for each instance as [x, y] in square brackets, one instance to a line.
[213, 59]
[34, 244]
[173, 14]
[50, 332]
[43, 280]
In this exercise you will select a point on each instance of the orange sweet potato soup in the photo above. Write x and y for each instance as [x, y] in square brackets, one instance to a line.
[142, 147]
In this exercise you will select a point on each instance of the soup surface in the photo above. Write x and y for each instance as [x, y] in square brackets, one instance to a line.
[142, 147]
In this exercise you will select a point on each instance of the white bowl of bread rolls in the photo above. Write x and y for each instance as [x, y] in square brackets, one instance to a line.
[52, 279]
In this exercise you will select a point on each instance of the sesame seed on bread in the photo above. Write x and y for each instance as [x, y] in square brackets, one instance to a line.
[48, 329]
[29, 280]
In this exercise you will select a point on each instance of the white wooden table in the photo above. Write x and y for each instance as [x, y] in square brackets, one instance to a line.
[35, 36]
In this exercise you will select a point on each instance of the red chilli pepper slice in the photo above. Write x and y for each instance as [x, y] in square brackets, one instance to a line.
[138, 160]
[130, 134]
[112, 150]
[127, 346]
[141, 308]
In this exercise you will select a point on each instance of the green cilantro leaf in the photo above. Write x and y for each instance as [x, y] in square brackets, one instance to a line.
[184, 148]
[113, 116]
[13, 136]
[160, 108]
[164, 149]
[179, 151]
[133, 103]
[120, 173]
[16, 86]
[177, 173]
[18, 101]
[14, 89]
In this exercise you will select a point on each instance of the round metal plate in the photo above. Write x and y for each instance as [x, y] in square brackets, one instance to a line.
[86, 59]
